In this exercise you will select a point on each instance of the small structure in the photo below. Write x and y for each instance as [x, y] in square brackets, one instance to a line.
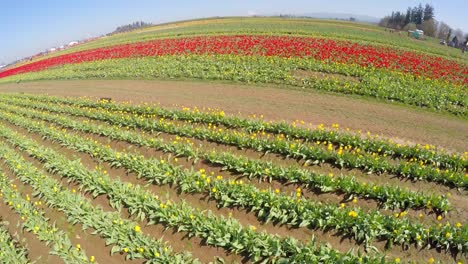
[417, 34]
[73, 43]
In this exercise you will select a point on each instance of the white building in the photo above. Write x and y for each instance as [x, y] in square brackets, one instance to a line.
[73, 43]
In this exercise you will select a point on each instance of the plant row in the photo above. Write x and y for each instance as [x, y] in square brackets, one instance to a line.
[12, 251]
[425, 153]
[369, 82]
[269, 205]
[289, 148]
[34, 221]
[343, 52]
[276, 27]
[388, 195]
[216, 231]
[109, 225]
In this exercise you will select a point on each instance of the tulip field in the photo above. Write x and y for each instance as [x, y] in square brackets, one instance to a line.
[202, 155]
[91, 179]
[384, 72]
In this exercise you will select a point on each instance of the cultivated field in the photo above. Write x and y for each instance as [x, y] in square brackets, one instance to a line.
[237, 141]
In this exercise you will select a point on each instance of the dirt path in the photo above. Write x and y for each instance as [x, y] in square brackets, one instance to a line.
[404, 123]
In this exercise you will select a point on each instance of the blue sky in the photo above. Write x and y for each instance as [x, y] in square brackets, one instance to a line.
[28, 27]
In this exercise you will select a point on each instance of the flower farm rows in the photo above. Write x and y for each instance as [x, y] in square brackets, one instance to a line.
[67, 122]
[383, 84]
[427, 153]
[320, 49]
[381, 72]
[221, 232]
[37, 223]
[270, 207]
[311, 153]
[80, 210]
[278, 27]
[390, 196]
[12, 252]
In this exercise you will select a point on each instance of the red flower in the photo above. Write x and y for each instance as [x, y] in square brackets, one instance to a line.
[321, 49]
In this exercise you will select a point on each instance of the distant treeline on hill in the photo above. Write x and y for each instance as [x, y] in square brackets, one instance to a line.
[423, 18]
[417, 17]
[130, 27]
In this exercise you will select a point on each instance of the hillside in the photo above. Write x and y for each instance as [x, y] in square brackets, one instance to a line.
[279, 26]
[237, 140]
[394, 74]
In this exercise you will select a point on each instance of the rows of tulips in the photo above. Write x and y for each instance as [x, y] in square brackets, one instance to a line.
[426, 153]
[270, 205]
[310, 153]
[12, 251]
[216, 231]
[115, 230]
[388, 195]
[34, 221]
[377, 83]
[279, 28]
[326, 50]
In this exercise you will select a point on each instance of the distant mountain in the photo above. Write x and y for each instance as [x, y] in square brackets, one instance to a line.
[341, 16]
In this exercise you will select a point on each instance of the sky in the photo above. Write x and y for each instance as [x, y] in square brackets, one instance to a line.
[29, 27]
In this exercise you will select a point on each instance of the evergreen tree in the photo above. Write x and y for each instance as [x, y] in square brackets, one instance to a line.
[408, 16]
[428, 12]
[414, 11]
[419, 15]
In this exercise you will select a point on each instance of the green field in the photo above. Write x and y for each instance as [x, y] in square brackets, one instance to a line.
[236, 158]
[360, 32]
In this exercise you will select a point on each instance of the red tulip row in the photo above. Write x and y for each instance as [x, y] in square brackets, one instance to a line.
[326, 50]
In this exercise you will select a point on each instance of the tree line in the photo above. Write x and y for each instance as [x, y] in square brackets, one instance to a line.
[422, 18]
[130, 27]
